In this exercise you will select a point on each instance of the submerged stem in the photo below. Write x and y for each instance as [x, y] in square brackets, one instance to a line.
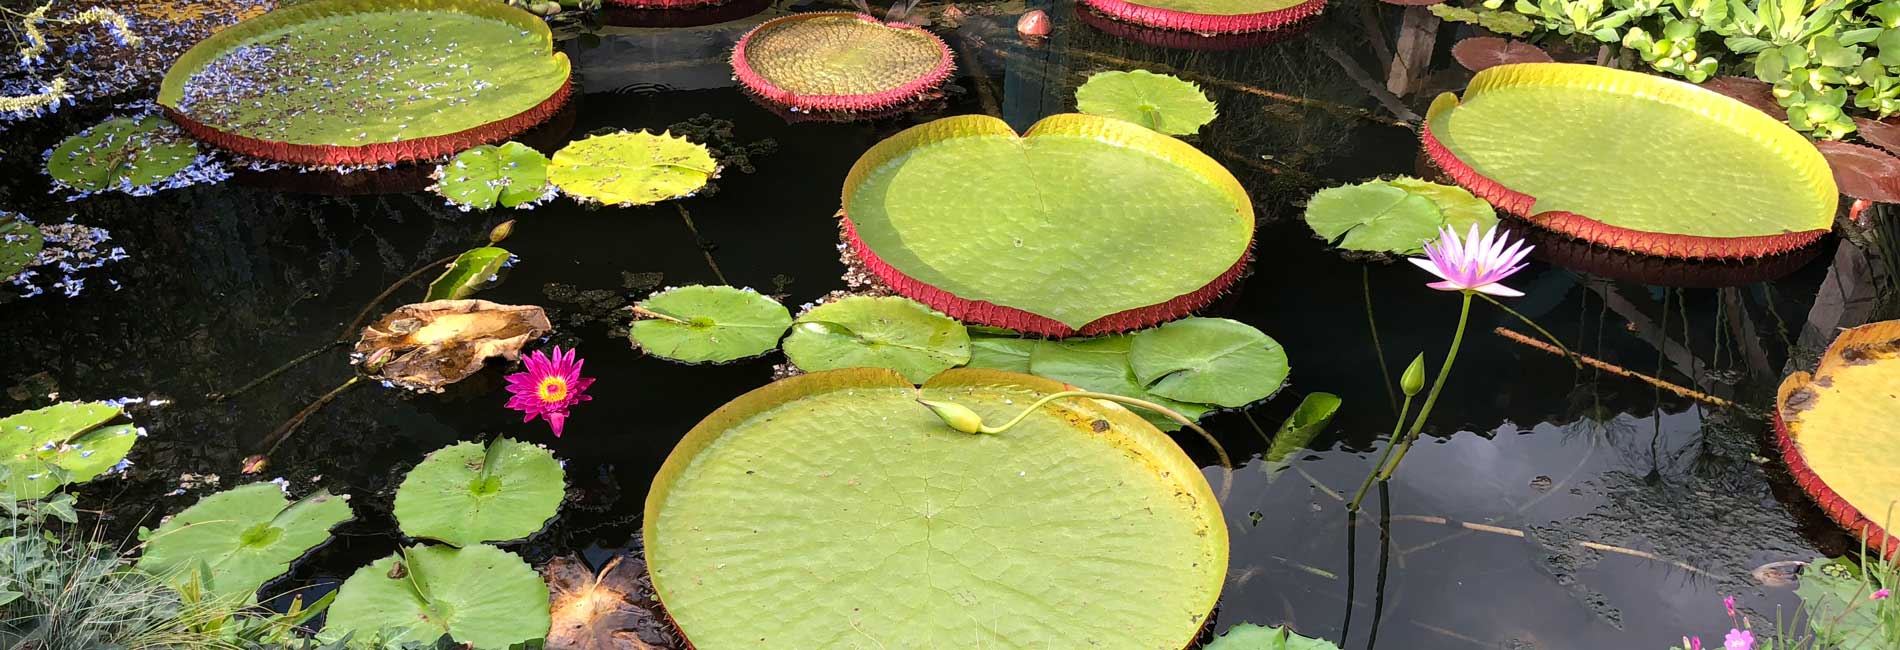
[1227, 464]
[1385, 374]
[1391, 442]
[277, 438]
[1431, 398]
[1572, 356]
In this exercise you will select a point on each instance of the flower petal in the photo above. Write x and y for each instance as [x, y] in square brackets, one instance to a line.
[1496, 289]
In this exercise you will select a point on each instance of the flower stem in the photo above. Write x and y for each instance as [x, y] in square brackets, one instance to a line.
[1227, 464]
[277, 438]
[1431, 398]
[1572, 356]
[642, 311]
[1391, 442]
[1365, 286]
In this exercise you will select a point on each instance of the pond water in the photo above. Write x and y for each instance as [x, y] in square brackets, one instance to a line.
[1550, 506]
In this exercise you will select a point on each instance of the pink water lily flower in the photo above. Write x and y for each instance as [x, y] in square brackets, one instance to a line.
[1478, 263]
[1739, 640]
[551, 385]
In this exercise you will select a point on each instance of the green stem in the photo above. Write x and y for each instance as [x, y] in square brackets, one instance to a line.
[642, 311]
[1391, 442]
[1365, 286]
[1431, 398]
[1226, 463]
[1572, 356]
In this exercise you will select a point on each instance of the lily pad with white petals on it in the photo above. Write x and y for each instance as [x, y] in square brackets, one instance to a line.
[20, 244]
[468, 493]
[883, 332]
[632, 168]
[70, 442]
[479, 595]
[511, 175]
[233, 542]
[699, 324]
[122, 152]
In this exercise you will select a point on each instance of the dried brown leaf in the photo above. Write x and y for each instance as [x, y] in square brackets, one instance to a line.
[426, 346]
[614, 610]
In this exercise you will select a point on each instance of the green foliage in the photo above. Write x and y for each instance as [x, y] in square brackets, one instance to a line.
[512, 175]
[121, 153]
[1102, 365]
[886, 332]
[478, 595]
[468, 493]
[1246, 636]
[70, 442]
[20, 244]
[1396, 216]
[1297, 433]
[1212, 361]
[1836, 595]
[1502, 22]
[475, 269]
[698, 324]
[77, 594]
[230, 543]
[1161, 102]
[632, 168]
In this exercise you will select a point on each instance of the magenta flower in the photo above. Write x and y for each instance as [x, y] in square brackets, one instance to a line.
[1478, 263]
[550, 386]
[1729, 601]
[1739, 640]
[1881, 594]
[1691, 643]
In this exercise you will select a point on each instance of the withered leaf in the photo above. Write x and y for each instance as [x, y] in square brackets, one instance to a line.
[426, 346]
[614, 610]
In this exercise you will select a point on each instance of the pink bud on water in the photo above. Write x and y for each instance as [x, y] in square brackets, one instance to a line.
[1033, 24]
[1881, 594]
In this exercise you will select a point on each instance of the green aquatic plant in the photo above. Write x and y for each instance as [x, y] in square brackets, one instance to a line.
[1393, 216]
[468, 493]
[1165, 103]
[1850, 604]
[231, 543]
[631, 168]
[1208, 361]
[20, 244]
[1000, 352]
[840, 61]
[512, 175]
[477, 595]
[700, 324]
[877, 332]
[1101, 364]
[472, 271]
[1246, 636]
[128, 154]
[1299, 430]
[71, 442]
[1500, 21]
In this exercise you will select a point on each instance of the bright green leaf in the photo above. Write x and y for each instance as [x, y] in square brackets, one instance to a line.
[69, 442]
[468, 493]
[698, 324]
[632, 168]
[886, 332]
[121, 153]
[1000, 352]
[512, 175]
[472, 271]
[233, 542]
[478, 595]
[1101, 364]
[1374, 217]
[1161, 102]
[1208, 361]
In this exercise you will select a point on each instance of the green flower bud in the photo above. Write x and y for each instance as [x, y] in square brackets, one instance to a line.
[956, 415]
[1413, 380]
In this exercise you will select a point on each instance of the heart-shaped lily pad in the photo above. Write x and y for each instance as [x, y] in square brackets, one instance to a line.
[716, 324]
[1080, 527]
[473, 270]
[233, 542]
[479, 595]
[69, 442]
[512, 175]
[20, 244]
[1208, 361]
[1161, 102]
[884, 332]
[837, 61]
[467, 493]
[1396, 216]
[632, 168]
[1101, 364]
[1086, 223]
[122, 153]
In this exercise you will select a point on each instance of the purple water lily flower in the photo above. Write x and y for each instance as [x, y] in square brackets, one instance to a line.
[1478, 263]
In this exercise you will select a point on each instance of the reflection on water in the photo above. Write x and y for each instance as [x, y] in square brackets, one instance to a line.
[1551, 507]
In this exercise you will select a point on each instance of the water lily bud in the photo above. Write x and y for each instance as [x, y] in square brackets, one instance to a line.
[501, 231]
[956, 415]
[1413, 380]
[376, 360]
[1033, 24]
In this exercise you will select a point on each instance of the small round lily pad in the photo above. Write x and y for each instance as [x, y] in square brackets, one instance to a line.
[1208, 361]
[839, 61]
[878, 332]
[69, 442]
[478, 595]
[233, 542]
[699, 324]
[632, 168]
[1165, 103]
[1396, 216]
[468, 493]
[1101, 364]
[20, 244]
[121, 153]
[512, 175]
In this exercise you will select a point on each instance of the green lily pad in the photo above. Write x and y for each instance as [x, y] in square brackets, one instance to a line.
[1247, 636]
[632, 168]
[1462, 210]
[69, 442]
[1000, 352]
[1102, 365]
[20, 244]
[233, 542]
[472, 271]
[1309, 420]
[1835, 594]
[512, 175]
[1374, 217]
[1208, 361]
[356, 73]
[1165, 103]
[1081, 218]
[478, 595]
[879, 526]
[699, 324]
[885, 332]
[466, 493]
[840, 61]
[122, 153]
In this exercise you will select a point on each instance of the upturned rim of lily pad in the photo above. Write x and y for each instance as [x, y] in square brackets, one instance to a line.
[1560, 250]
[638, 13]
[1583, 227]
[1200, 23]
[664, 4]
[172, 89]
[1847, 349]
[757, 84]
[1180, 40]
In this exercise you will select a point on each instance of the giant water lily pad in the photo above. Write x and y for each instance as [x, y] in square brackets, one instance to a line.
[632, 168]
[1165, 103]
[883, 332]
[876, 525]
[1633, 161]
[468, 493]
[122, 153]
[837, 61]
[233, 542]
[1839, 431]
[512, 175]
[20, 244]
[1102, 365]
[478, 595]
[1208, 361]
[716, 324]
[428, 345]
[69, 442]
[330, 82]
[1210, 16]
[1086, 223]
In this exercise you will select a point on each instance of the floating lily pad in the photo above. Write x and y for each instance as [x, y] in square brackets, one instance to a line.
[512, 175]
[632, 168]
[1247, 636]
[1080, 527]
[1211, 16]
[1374, 216]
[1000, 352]
[1591, 152]
[335, 82]
[1086, 223]
[887, 332]
[69, 442]
[1102, 365]
[472, 271]
[1839, 431]
[1462, 210]
[426, 346]
[478, 595]
[839, 61]
[233, 542]
[1480, 52]
[20, 244]
[1208, 361]
[121, 153]
[468, 493]
[699, 324]
[1161, 102]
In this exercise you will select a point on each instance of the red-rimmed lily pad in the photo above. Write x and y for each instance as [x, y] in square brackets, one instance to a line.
[1863, 172]
[1885, 135]
[1633, 161]
[1084, 224]
[834, 501]
[1211, 16]
[1480, 52]
[1839, 431]
[840, 61]
[347, 82]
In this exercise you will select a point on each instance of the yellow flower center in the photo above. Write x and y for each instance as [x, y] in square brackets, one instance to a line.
[552, 389]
